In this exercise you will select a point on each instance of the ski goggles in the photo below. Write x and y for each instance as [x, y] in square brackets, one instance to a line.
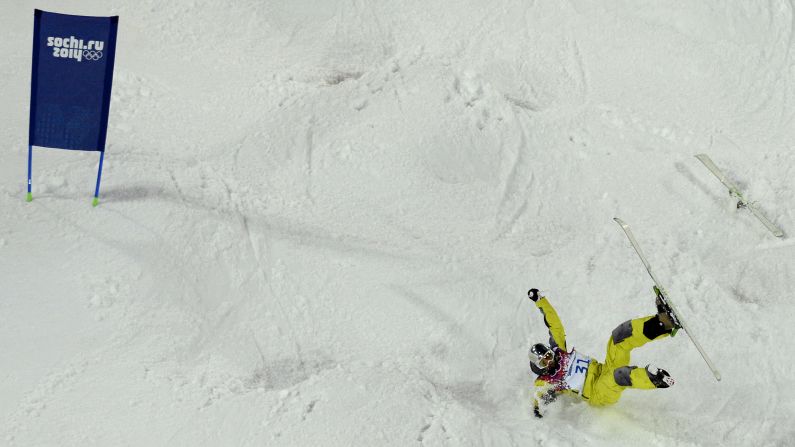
[542, 356]
[547, 359]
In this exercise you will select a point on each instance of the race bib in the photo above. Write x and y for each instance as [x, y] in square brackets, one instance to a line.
[576, 372]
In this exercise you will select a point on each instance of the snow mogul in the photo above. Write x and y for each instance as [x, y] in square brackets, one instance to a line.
[561, 371]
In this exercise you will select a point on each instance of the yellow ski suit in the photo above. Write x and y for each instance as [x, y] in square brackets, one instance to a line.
[604, 382]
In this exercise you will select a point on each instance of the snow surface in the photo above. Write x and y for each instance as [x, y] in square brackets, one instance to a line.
[319, 220]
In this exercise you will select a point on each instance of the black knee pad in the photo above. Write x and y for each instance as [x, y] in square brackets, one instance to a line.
[622, 375]
[653, 328]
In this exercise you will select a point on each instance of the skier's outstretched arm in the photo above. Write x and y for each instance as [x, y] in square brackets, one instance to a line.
[557, 335]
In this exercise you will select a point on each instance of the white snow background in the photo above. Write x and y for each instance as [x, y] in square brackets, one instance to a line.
[319, 220]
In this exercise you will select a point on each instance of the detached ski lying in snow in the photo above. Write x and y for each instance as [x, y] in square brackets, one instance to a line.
[663, 296]
[735, 192]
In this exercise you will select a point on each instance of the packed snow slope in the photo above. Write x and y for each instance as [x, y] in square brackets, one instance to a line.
[319, 220]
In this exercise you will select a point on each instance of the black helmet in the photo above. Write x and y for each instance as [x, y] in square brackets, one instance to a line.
[542, 359]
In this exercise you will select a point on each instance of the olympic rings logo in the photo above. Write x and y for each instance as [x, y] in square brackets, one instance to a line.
[91, 55]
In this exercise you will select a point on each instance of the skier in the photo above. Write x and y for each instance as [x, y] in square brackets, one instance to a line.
[570, 372]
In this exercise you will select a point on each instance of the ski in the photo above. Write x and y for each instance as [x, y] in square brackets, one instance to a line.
[735, 192]
[663, 294]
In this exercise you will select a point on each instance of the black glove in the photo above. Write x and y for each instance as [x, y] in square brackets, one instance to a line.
[533, 295]
[537, 412]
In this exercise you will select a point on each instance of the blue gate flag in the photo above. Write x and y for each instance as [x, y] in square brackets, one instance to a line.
[73, 59]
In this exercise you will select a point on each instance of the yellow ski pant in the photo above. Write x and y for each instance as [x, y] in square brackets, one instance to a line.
[610, 379]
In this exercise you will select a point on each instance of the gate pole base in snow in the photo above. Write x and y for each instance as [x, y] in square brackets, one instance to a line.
[30, 182]
[99, 177]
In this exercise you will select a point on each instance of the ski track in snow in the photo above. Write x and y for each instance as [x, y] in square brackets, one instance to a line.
[318, 221]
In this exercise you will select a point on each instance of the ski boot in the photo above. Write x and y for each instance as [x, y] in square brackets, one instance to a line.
[665, 314]
[660, 377]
